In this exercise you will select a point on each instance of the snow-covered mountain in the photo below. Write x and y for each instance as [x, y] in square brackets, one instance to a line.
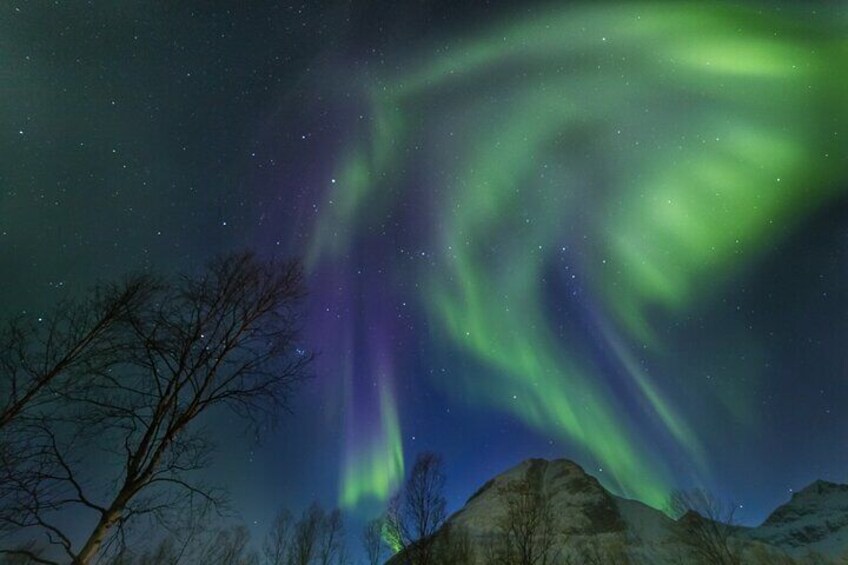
[582, 504]
[593, 525]
[816, 518]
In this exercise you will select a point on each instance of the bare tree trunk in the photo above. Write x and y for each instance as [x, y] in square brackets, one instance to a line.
[92, 545]
[101, 531]
[226, 338]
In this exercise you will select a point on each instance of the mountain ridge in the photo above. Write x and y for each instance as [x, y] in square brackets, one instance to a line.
[811, 527]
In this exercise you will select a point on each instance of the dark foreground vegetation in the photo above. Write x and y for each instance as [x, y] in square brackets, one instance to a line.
[125, 378]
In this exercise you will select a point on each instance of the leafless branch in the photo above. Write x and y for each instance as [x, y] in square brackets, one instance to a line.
[126, 375]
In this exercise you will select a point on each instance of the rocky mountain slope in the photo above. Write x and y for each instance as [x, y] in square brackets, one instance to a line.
[816, 518]
[595, 526]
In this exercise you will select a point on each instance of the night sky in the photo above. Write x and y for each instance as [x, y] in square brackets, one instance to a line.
[615, 233]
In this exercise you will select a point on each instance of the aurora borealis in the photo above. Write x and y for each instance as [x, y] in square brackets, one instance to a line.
[610, 232]
[632, 142]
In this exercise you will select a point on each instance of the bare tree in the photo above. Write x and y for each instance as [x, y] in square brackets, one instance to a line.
[317, 538]
[598, 550]
[372, 541]
[25, 553]
[278, 541]
[417, 512]
[231, 546]
[331, 547]
[225, 545]
[453, 546]
[704, 526]
[39, 356]
[167, 552]
[169, 544]
[226, 338]
[307, 536]
[44, 358]
[527, 530]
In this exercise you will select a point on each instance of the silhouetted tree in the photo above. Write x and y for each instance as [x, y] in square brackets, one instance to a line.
[453, 546]
[372, 541]
[598, 550]
[231, 546]
[331, 546]
[41, 357]
[216, 546]
[316, 538]
[44, 359]
[307, 536]
[198, 535]
[26, 553]
[418, 510]
[527, 530]
[226, 338]
[704, 526]
[278, 541]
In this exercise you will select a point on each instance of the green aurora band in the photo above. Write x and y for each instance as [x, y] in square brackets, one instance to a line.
[375, 471]
[677, 142]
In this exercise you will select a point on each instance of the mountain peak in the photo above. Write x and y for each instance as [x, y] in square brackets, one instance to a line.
[537, 472]
[815, 518]
[820, 488]
[566, 465]
[816, 497]
[589, 516]
[583, 505]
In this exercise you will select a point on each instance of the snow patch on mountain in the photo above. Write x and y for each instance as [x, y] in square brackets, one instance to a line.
[814, 520]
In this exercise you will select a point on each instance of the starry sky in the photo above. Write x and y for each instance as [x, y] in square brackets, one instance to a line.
[615, 233]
